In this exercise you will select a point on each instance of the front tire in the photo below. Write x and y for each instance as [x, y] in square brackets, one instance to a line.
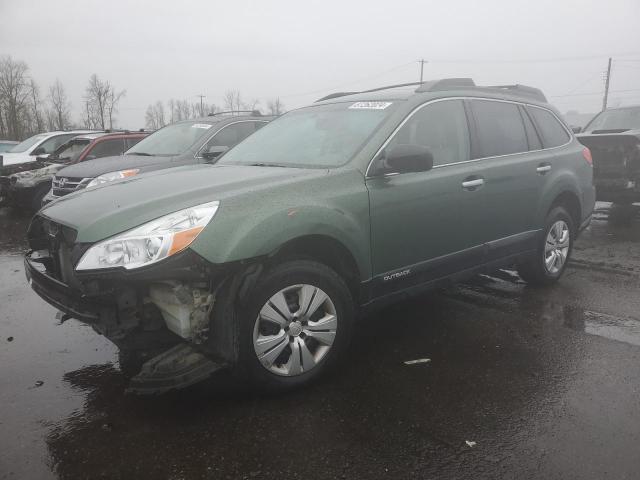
[296, 325]
[553, 251]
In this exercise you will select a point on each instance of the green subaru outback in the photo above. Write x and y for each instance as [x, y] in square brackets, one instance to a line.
[264, 261]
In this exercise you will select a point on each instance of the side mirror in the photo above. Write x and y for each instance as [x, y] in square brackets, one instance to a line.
[38, 151]
[214, 152]
[405, 158]
[576, 129]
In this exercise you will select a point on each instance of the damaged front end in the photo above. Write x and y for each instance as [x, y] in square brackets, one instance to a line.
[160, 315]
[616, 165]
[11, 175]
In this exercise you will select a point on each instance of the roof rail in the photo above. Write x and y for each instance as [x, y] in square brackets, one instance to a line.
[335, 95]
[342, 94]
[523, 90]
[255, 113]
[445, 84]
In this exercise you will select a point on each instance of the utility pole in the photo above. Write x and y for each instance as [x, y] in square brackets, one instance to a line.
[607, 78]
[201, 105]
[422, 62]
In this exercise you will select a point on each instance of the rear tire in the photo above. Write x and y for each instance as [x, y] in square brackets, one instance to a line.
[296, 325]
[553, 251]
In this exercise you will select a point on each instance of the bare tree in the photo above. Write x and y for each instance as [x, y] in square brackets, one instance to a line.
[253, 105]
[154, 116]
[36, 106]
[101, 103]
[232, 100]
[14, 95]
[60, 105]
[275, 106]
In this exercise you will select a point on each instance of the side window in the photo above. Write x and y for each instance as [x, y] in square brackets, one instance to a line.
[231, 134]
[53, 143]
[553, 133]
[440, 126]
[532, 135]
[107, 148]
[499, 127]
[132, 141]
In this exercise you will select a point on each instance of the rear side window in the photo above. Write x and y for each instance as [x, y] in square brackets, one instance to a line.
[441, 127]
[53, 143]
[552, 131]
[500, 129]
[107, 148]
[532, 135]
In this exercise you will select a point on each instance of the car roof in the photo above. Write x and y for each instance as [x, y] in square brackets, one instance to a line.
[448, 87]
[226, 118]
[126, 134]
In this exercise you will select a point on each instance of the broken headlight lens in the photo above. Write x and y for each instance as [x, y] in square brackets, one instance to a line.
[151, 242]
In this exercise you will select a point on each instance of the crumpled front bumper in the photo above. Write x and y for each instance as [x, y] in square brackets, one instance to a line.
[57, 293]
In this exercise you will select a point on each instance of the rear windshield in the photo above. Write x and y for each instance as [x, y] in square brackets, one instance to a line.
[27, 144]
[620, 119]
[171, 140]
[313, 137]
[70, 151]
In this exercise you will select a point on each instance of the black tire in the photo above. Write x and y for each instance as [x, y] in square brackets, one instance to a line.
[39, 194]
[534, 271]
[274, 279]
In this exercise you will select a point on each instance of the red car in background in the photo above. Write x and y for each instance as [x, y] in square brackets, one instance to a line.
[28, 188]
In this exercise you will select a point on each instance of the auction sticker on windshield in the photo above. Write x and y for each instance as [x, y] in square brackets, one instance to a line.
[206, 126]
[370, 105]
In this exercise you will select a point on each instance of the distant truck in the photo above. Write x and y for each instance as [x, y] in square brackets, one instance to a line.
[613, 136]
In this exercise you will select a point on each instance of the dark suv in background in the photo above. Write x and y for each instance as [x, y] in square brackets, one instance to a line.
[263, 261]
[28, 188]
[182, 143]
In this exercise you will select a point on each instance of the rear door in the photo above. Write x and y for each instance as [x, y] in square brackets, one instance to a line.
[505, 145]
[427, 225]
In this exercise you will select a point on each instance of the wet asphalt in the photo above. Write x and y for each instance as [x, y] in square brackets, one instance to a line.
[521, 383]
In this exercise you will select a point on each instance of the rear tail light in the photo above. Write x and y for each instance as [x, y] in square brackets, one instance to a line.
[586, 153]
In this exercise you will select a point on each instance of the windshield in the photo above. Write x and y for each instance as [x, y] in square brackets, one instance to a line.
[171, 140]
[27, 144]
[623, 118]
[313, 137]
[70, 151]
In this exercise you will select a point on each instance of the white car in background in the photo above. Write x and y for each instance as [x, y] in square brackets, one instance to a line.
[40, 145]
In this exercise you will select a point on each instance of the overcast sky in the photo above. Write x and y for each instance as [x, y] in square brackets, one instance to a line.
[301, 49]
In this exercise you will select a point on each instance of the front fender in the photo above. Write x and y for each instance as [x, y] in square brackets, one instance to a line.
[336, 206]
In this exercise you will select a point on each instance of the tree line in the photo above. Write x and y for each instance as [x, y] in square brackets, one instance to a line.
[161, 113]
[25, 110]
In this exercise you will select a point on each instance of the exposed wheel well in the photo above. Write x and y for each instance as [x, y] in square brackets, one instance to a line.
[571, 202]
[328, 251]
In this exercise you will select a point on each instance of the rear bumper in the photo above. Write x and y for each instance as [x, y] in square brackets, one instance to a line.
[619, 190]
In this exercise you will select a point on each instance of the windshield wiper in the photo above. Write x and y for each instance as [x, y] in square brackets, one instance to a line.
[143, 154]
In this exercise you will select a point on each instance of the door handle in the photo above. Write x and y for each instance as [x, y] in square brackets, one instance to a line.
[472, 184]
[544, 168]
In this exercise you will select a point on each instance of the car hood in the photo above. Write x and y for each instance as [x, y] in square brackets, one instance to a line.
[100, 166]
[101, 212]
[15, 158]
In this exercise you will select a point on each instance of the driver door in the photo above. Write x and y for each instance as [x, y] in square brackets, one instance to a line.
[426, 225]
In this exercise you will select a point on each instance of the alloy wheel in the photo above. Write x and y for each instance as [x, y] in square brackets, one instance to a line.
[556, 247]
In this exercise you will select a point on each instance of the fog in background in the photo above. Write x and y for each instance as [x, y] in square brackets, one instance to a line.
[301, 50]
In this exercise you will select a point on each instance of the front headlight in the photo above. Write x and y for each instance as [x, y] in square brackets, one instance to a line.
[151, 242]
[111, 176]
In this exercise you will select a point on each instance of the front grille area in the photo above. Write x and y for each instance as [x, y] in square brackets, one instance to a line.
[56, 243]
[62, 186]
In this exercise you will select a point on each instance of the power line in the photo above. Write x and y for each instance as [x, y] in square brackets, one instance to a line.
[594, 93]
[535, 60]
